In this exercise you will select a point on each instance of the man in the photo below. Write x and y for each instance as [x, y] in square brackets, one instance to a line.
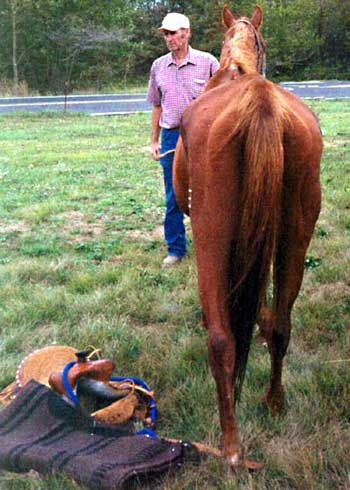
[176, 79]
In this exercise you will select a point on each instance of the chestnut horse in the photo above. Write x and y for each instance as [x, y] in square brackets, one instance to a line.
[247, 172]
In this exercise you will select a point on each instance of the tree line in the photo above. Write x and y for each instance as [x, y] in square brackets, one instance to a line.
[50, 45]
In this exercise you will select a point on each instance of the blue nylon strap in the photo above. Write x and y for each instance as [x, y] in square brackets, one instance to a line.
[147, 432]
[66, 385]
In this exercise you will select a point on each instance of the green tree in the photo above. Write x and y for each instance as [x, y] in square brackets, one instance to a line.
[95, 43]
[333, 27]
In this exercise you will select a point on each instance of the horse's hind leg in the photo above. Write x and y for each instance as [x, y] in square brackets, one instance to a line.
[214, 293]
[212, 239]
[297, 224]
[221, 347]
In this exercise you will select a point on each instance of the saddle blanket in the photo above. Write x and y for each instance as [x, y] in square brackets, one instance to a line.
[40, 431]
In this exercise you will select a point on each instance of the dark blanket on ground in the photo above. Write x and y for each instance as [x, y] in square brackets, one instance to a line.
[40, 431]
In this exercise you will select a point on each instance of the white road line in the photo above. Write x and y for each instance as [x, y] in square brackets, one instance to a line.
[31, 104]
[305, 82]
[300, 86]
[69, 96]
[310, 85]
[317, 97]
[338, 86]
[116, 113]
[306, 86]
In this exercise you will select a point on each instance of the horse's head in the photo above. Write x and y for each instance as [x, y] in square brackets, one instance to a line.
[243, 48]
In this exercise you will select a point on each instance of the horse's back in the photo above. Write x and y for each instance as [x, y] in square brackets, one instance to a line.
[207, 123]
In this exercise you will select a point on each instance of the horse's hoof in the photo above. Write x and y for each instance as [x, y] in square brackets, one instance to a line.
[236, 463]
[274, 402]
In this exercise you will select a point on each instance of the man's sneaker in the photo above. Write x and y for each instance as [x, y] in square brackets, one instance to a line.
[171, 260]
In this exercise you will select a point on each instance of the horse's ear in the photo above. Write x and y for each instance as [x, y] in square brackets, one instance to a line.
[227, 17]
[257, 17]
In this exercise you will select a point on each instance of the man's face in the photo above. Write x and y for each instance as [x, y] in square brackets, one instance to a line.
[176, 40]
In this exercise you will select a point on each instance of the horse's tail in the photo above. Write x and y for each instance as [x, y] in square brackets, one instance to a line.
[259, 132]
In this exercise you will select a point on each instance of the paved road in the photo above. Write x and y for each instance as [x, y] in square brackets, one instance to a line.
[332, 89]
[92, 104]
[114, 104]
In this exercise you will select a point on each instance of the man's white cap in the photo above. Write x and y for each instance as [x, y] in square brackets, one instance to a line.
[174, 21]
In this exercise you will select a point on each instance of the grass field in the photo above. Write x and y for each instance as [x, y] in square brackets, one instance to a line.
[81, 207]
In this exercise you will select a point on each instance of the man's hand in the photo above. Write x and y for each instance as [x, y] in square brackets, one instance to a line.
[155, 150]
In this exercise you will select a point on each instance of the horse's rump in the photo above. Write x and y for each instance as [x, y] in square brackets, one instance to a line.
[249, 119]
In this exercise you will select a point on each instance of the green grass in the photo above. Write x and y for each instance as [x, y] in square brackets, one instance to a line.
[81, 206]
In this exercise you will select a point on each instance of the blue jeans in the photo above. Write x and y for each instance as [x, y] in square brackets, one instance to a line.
[174, 229]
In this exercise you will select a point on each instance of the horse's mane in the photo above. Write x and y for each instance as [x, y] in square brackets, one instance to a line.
[241, 55]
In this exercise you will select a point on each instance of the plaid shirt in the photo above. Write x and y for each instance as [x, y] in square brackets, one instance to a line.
[174, 87]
